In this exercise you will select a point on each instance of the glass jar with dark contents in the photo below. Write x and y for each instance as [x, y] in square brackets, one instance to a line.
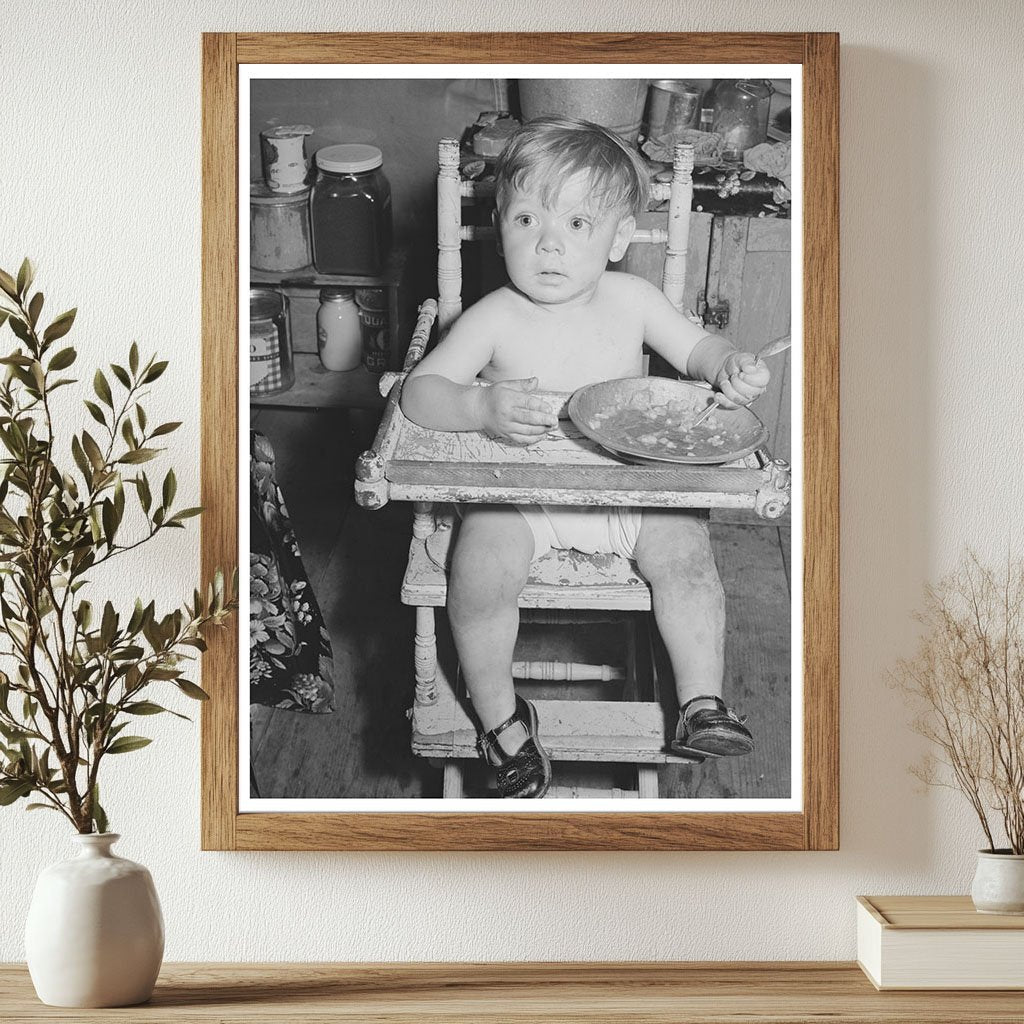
[350, 211]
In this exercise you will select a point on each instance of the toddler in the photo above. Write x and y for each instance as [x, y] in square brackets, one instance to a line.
[568, 194]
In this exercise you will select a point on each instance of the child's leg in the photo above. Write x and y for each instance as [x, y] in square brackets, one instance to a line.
[673, 551]
[490, 566]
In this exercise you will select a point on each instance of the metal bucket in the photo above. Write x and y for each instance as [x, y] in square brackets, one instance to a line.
[614, 103]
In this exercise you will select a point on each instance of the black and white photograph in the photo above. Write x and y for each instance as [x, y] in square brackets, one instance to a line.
[524, 374]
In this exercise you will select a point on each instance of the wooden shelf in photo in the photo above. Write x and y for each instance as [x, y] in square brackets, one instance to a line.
[310, 277]
[317, 388]
[306, 282]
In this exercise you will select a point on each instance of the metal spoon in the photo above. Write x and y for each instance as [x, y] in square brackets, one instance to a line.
[771, 349]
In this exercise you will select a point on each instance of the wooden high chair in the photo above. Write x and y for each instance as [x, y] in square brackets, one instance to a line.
[564, 586]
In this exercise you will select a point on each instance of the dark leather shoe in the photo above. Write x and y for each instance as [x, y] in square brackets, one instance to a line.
[526, 774]
[718, 731]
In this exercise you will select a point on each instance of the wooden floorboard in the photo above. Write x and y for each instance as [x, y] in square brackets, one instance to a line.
[355, 559]
[757, 674]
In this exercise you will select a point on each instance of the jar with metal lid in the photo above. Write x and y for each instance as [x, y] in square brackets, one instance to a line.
[338, 331]
[741, 114]
[271, 368]
[350, 211]
[278, 229]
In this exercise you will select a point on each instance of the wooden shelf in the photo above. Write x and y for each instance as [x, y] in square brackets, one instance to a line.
[310, 277]
[317, 388]
[523, 993]
[305, 283]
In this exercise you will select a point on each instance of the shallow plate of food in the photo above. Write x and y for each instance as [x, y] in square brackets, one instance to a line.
[650, 419]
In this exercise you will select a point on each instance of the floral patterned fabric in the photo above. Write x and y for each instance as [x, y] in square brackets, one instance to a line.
[290, 659]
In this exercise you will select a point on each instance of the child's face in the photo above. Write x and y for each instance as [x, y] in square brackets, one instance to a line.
[556, 255]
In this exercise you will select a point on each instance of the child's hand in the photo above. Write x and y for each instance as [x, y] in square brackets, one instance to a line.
[510, 413]
[741, 379]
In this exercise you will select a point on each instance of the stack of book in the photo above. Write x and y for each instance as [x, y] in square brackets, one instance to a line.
[938, 942]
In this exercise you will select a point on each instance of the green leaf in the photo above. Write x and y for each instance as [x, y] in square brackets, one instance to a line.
[191, 690]
[143, 707]
[20, 328]
[34, 308]
[102, 388]
[170, 487]
[63, 359]
[165, 428]
[60, 326]
[80, 458]
[138, 455]
[140, 415]
[26, 274]
[92, 449]
[8, 285]
[109, 518]
[128, 433]
[11, 733]
[95, 412]
[185, 513]
[133, 358]
[154, 371]
[125, 744]
[135, 622]
[145, 498]
[121, 374]
[129, 653]
[99, 816]
[42, 807]
[108, 626]
[14, 790]
[163, 673]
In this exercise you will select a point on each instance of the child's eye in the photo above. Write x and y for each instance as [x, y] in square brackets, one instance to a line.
[579, 223]
[525, 220]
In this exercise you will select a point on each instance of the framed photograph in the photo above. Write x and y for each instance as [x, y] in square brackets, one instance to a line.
[607, 501]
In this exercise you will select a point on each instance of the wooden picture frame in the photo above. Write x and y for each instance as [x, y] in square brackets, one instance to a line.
[816, 825]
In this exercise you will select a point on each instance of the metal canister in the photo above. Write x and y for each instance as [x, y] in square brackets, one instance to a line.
[271, 369]
[373, 319]
[673, 105]
[283, 157]
[278, 229]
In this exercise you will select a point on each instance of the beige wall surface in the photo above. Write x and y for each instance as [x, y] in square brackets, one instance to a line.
[100, 183]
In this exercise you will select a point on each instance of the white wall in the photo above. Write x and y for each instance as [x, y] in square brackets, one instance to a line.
[101, 183]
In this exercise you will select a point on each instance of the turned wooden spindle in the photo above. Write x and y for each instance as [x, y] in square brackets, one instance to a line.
[565, 671]
[679, 205]
[449, 243]
[425, 657]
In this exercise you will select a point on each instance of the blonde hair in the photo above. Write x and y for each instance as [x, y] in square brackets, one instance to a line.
[547, 151]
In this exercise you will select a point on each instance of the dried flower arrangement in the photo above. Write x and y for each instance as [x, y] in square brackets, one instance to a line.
[967, 680]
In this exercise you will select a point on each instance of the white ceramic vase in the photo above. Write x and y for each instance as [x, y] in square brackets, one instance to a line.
[999, 882]
[95, 933]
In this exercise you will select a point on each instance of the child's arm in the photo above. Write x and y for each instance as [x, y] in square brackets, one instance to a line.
[700, 355]
[439, 393]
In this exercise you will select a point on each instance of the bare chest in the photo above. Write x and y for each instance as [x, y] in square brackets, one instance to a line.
[566, 353]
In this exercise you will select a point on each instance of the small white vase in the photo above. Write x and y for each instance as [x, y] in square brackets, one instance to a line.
[95, 933]
[999, 882]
